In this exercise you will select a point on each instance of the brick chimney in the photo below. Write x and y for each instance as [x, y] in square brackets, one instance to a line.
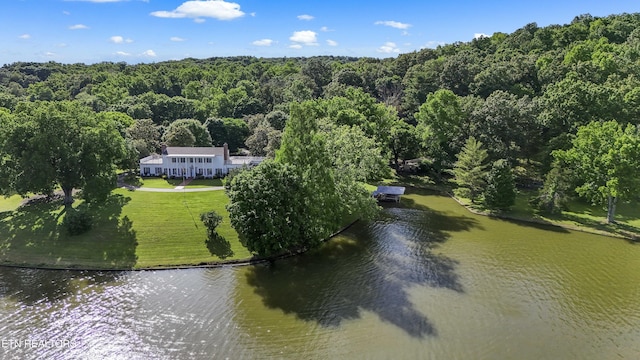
[164, 149]
[226, 152]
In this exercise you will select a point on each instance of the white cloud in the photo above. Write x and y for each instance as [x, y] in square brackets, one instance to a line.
[122, 53]
[389, 48]
[305, 17]
[332, 43]
[253, 14]
[66, 13]
[25, 36]
[433, 44]
[263, 42]
[99, 1]
[78, 27]
[61, 45]
[199, 20]
[295, 46]
[117, 39]
[197, 9]
[49, 54]
[305, 37]
[177, 39]
[149, 53]
[393, 24]
[325, 29]
[480, 35]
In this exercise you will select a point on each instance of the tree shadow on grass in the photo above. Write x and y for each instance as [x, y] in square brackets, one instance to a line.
[218, 245]
[117, 245]
[370, 267]
[31, 235]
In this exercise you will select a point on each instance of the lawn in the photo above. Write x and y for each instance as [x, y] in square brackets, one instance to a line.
[10, 203]
[579, 215]
[131, 230]
[172, 183]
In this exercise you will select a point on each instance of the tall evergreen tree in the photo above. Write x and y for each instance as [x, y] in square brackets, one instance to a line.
[501, 188]
[470, 170]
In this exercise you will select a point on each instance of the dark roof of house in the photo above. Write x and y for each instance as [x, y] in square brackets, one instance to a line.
[195, 151]
[390, 190]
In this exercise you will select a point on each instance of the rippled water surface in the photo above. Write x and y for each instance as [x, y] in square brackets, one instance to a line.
[429, 282]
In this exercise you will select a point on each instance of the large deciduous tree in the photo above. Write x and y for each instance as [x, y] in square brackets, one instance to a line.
[176, 137]
[439, 120]
[605, 159]
[62, 145]
[267, 207]
[300, 199]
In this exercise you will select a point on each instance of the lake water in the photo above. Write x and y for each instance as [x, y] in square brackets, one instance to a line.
[432, 281]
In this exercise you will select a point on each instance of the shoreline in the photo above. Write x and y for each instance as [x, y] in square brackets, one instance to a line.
[584, 229]
[208, 265]
[255, 261]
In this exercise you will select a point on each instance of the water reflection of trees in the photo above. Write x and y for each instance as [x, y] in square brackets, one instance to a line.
[32, 286]
[371, 267]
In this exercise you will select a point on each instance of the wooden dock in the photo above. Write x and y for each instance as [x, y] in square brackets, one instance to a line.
[388, 193]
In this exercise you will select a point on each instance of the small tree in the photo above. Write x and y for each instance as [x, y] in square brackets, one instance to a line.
[501, 189]
[470, 170]
[211, 220]
[215, 242]
[552, 198]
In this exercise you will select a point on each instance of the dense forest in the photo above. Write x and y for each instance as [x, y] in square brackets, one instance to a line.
[522, 96]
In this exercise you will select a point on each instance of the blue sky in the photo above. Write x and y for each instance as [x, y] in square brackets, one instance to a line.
[135, 31]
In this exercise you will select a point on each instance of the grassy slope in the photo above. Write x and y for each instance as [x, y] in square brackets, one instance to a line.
[131, 230]
[172, 183]
[580, 216]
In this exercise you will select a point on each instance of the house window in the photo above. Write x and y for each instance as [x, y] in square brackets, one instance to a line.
[218, 172]
[190, 160]
[147, 171]
[183, 160]
[199, 160]
[209, 172]
[158, 171]
[199, 171]
[173, 160]
[174, 171]
[208, 160]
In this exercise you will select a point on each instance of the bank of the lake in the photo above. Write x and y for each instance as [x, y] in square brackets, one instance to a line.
[580, 217]
[427, 279]
[137, 230]
[132, 230]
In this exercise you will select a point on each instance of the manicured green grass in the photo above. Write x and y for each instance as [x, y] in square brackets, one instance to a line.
[158, 183]
[10, 203]
[579, 215]
[133, 229]
[172, 183]
[200, 183]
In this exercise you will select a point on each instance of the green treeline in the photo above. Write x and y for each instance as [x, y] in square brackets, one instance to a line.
[528, 98]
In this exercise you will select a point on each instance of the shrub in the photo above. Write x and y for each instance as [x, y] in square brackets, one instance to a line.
[77, 221]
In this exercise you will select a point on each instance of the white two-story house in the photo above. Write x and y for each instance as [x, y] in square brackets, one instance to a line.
[192, 162]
